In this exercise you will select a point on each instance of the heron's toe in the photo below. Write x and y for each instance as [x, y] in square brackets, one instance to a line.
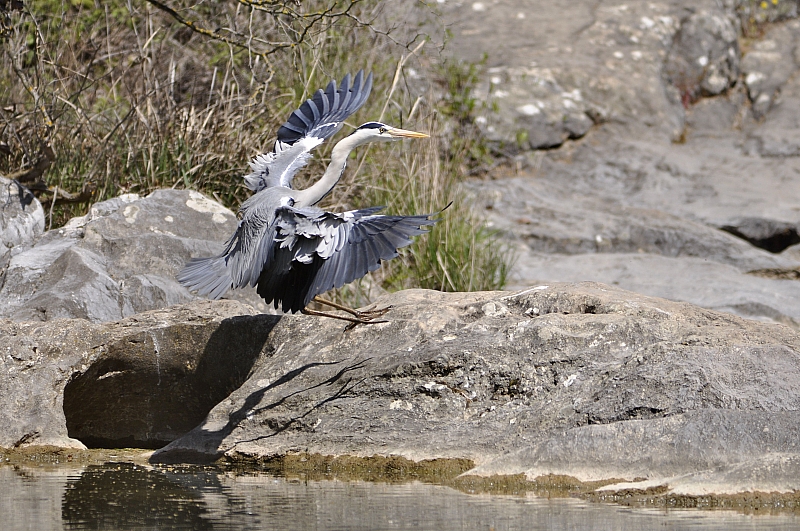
[368, 315]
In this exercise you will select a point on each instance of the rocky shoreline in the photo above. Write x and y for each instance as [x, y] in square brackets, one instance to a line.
[581, 380]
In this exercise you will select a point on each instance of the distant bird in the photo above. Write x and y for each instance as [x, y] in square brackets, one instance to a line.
[291, 250]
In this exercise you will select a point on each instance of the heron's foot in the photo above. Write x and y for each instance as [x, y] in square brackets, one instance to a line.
[352, 320]
[369, 315]
[360, 315]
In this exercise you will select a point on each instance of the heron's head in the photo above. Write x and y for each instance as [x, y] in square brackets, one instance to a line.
[378, 132]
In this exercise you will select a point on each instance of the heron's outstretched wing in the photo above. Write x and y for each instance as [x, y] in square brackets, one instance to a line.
[316, 251]
[322, 115]
[318, 118]
[245, 253]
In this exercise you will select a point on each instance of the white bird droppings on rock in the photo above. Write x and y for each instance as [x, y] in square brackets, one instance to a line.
[753, 78]
[401, 405]
[571, 380]
[479, 6]
[129, 198]
[492, 309]
[130, 213]
[169, 219]
[201, 203]
[529, 109]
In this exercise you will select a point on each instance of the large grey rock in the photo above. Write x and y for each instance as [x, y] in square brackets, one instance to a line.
[568, 236]
[21, 220]
[538, 113]
[697, 280]
[777, 136]
[523, 383]
[579, 379]
[685, 453]
[640, 199]
[119, 259]
[704, 56]
[561, 67]
[770, 64]
[150, 378]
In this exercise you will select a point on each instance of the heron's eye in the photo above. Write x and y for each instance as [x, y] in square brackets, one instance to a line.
[382, 130]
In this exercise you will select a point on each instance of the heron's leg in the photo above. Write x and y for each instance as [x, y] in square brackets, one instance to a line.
[365, 316]
[352, 320]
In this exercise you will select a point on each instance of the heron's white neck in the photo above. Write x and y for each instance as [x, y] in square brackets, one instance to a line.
[316, 192]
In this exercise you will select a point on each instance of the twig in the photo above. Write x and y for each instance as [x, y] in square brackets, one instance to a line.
[396, 79]
[52, 206]
[400, 64]
[35, 172]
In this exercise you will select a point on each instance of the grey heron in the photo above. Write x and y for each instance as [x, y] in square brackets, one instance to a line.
[285, 246]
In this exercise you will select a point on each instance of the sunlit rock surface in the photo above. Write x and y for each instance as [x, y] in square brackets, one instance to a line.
[659, 183]
[693, 109]
[583, 379]
[119, 259]
[21, 219]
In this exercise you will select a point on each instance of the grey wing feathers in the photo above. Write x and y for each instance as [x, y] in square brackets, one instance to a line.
[316, 251]
[279, 167]
[209, 276]
[318, 118]
[323, 115]
[370, 240]
[241, 261]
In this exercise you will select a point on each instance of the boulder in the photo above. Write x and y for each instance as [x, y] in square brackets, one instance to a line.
[139, 382]
[704, 56]
[776, 136]
[569, 236]
[21, 219]
[693, 130]
[119, 259]
[538, 113]
[579, 379]
[770, 64]
[582, 379]
[693, 454]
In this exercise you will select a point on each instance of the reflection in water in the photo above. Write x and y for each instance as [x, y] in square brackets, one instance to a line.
[126, 496]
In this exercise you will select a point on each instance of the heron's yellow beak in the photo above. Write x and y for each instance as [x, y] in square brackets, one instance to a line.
[402, 133]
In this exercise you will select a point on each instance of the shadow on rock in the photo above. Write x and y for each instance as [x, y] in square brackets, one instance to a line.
[160, 382]
[253, 405]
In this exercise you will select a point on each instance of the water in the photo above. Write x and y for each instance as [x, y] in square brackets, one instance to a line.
[122, 496]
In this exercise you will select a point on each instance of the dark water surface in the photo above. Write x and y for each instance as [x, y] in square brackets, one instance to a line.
[129, 496]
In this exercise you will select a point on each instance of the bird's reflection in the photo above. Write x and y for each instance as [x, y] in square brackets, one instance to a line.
[127, 496]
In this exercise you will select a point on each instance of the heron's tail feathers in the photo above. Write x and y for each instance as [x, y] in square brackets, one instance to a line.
[208, 276]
